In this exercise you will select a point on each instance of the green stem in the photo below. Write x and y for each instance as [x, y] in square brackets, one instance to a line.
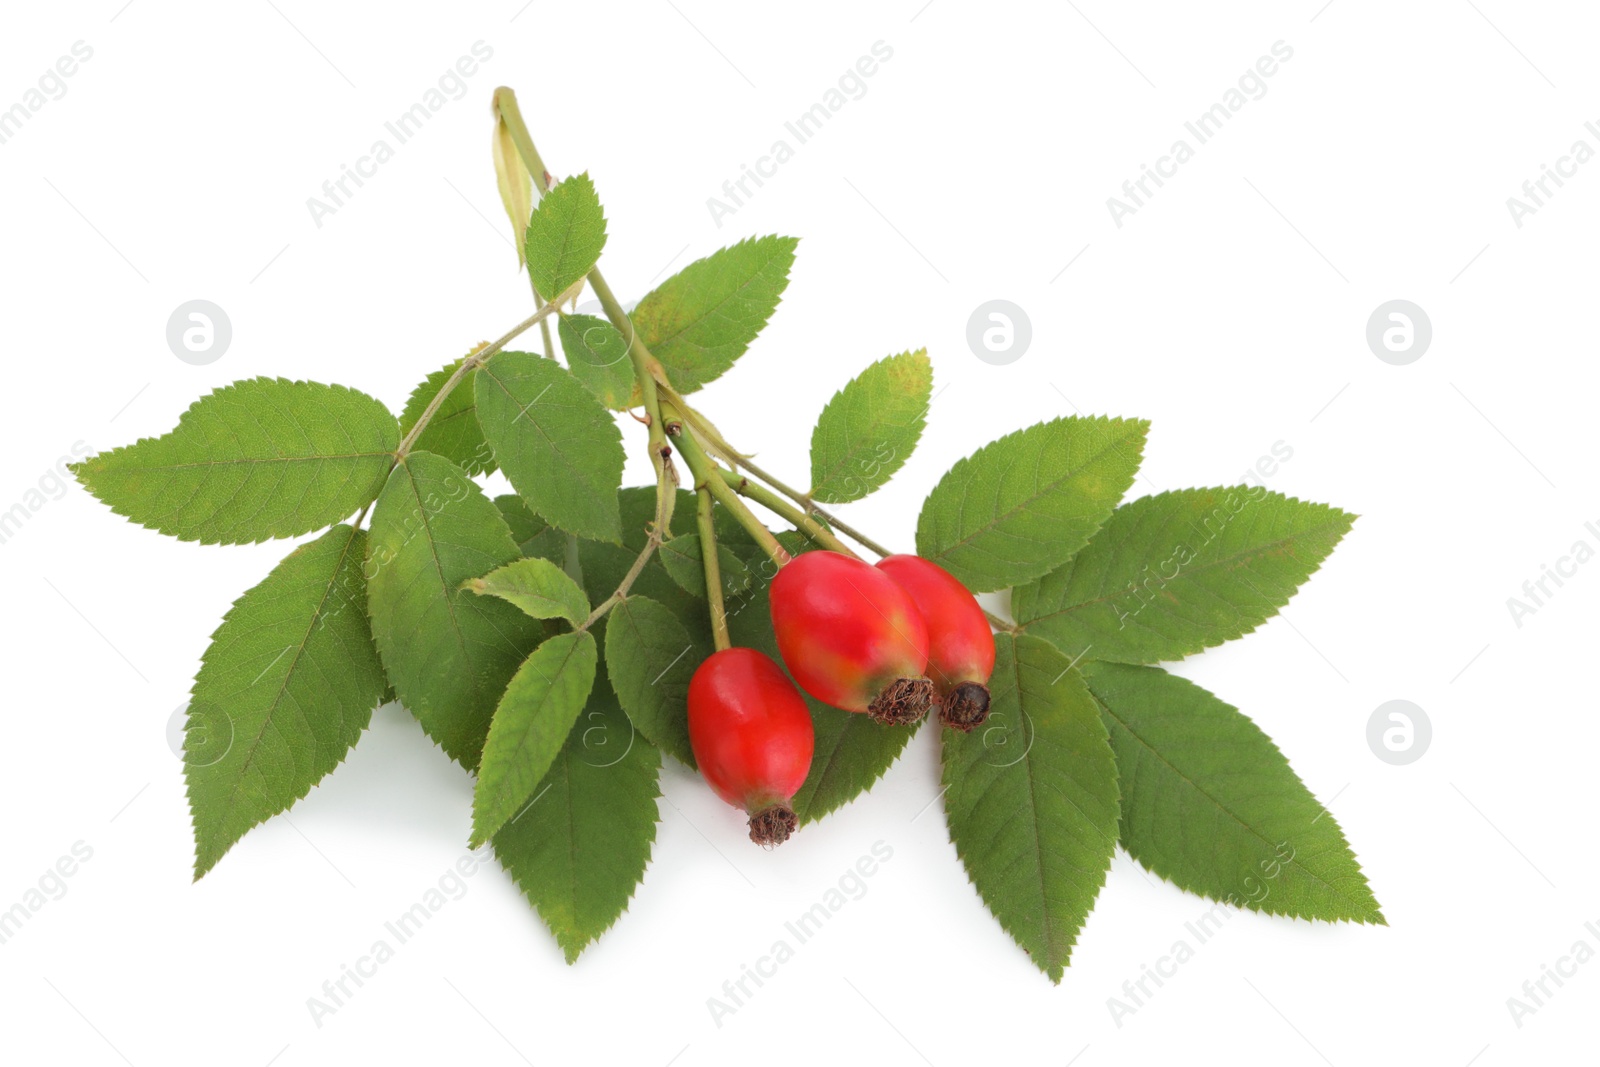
[660, 451]
[649, 372]
[709, 435]
[706, 477]
[804, 521]
[544, 336]
[506, 109]
[1001, 624]
[713, 568]
[651, 544]
[813, 508]
[735, 458]
[544, 326]
[541, 185]
[571, 563]
[781, 507]
[472, 362]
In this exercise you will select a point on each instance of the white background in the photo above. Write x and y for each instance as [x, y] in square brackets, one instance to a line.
[1230, 310]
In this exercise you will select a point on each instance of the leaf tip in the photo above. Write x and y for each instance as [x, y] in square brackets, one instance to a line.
[203, 864]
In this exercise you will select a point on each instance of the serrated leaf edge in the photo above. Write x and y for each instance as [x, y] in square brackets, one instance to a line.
[1375, 918]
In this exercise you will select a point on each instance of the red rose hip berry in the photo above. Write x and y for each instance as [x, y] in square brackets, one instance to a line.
[852, 637]
[960, 643]
[752, 738]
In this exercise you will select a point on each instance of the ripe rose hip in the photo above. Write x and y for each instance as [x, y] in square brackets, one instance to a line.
[960, 643]
[852, 637]
[752, 737]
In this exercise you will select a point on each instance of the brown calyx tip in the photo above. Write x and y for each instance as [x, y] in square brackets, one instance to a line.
[771, 827]
[903, 702]
[966, 706]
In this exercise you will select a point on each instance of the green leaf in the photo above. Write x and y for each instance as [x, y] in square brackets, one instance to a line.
[650, 658]
[533, 535]
[852, 752]
[565, 236]
[1209, 803]
[1021, 506]
[561, 450]
[597, 355]
[684, 560]
[449, 653]
[1031, 799]
[582, 844]
[869, 428]
[261, 458]
[701, 319]
[537, 586]
[285, 688]
[453, 431]
[604, 565]
[1174, 573]
[530, 726]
